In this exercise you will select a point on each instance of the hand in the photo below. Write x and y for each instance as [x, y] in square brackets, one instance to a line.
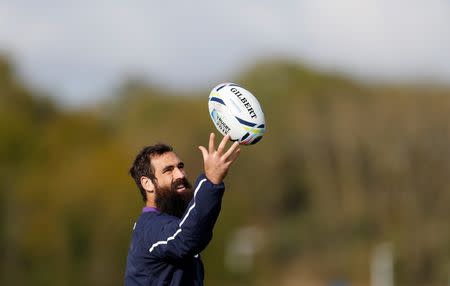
[217, 162]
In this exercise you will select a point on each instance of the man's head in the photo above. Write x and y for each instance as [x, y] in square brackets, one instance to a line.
[161, 179]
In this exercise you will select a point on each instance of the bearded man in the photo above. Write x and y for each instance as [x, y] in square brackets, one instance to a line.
[177, 221]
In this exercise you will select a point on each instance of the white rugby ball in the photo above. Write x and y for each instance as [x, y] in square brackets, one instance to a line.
[235, 111]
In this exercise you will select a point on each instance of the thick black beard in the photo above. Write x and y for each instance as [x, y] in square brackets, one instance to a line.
[169, 201]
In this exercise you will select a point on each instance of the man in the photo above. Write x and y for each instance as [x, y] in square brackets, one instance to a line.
[177, 221]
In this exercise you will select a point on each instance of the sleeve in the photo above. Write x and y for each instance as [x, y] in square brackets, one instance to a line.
[192, 233]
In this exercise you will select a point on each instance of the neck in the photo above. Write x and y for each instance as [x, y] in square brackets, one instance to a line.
[150, 203]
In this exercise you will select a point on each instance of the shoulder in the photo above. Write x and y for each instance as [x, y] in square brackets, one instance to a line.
[156, 224]
[152, 227]
[153, 219]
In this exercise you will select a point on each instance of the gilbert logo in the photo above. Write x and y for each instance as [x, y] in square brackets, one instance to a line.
[244, 100]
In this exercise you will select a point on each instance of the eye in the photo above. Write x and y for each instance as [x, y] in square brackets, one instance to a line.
[168, 169]
[181, 166]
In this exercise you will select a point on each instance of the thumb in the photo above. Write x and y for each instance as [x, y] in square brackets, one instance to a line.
[204, 152]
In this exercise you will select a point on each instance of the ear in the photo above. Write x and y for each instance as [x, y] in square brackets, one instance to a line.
[147, 184]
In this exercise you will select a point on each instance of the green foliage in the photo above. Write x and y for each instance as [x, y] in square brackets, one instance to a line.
[342, 168]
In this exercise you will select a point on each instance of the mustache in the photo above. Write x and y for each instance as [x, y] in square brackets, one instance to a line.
[181, 182]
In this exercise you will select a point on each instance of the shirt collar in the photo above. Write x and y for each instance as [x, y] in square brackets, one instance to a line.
[149, 209]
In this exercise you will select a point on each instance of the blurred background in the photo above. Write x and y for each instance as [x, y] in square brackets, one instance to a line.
[350, 185]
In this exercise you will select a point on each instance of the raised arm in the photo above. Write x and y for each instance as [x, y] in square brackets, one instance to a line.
[192, 233]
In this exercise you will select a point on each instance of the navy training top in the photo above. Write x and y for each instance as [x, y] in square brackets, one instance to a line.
[165, 250]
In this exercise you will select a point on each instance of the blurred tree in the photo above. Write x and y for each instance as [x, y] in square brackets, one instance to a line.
[342, 167]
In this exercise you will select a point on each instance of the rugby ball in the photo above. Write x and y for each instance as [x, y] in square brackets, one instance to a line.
[235, 111]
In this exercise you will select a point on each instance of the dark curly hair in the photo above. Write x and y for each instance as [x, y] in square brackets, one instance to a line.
[142, 165]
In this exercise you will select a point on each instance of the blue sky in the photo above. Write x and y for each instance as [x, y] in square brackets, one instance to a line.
[80, 50]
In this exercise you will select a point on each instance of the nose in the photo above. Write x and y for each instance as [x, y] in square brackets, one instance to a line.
[178, 174]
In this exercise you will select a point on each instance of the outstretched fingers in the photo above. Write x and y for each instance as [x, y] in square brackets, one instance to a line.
[204, 152]
[233, 156]
[222, 144]
[211, 146]
[230, 150]
[217, 162]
